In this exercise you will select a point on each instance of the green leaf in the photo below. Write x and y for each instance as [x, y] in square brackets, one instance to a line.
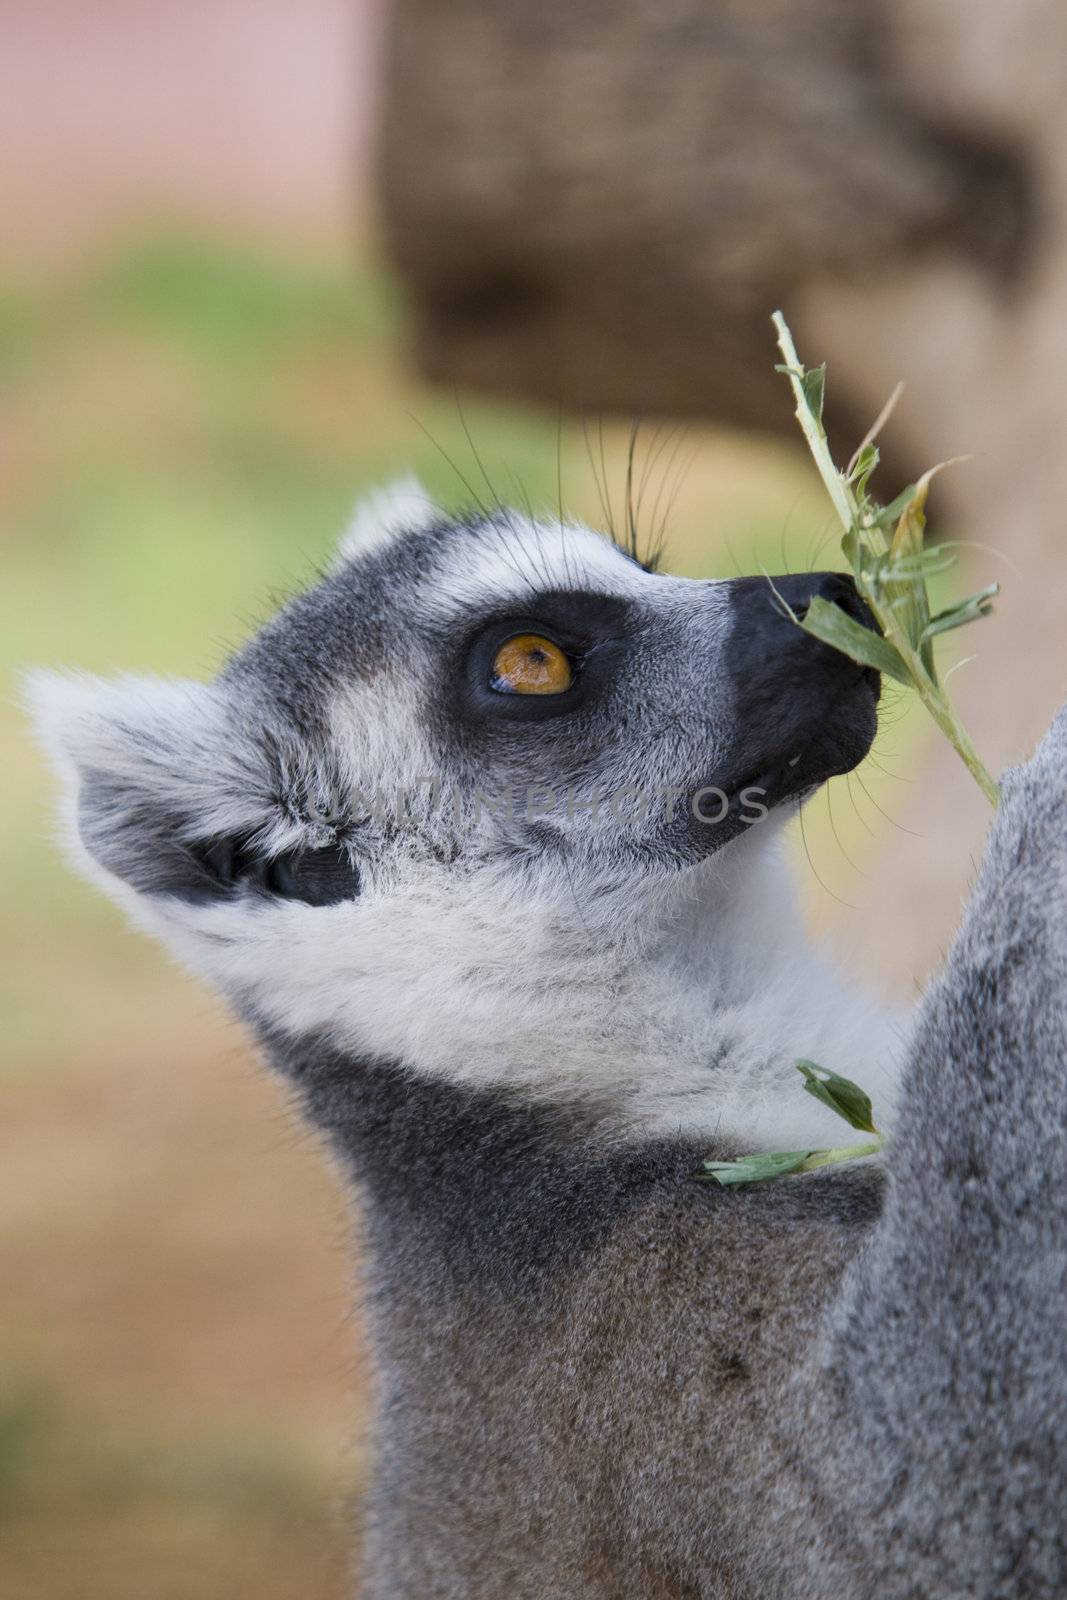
[813, 386]
[851, 548]
[825, 621]
[863, 466]
[859, 550]
[907, 596]
[891, 514]
[753, 1169]
[840, 1094]
[969, 610]
[928, 563]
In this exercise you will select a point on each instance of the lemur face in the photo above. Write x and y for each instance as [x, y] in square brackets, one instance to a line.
[464, 724]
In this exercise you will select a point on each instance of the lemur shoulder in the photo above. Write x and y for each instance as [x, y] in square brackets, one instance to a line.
[481, 835]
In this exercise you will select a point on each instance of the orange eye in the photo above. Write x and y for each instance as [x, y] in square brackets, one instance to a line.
[529, 664]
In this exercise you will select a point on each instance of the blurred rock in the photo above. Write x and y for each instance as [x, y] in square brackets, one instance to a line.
[599, 203]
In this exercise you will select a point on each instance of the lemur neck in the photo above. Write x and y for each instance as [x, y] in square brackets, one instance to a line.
[646, 1008]
[471, 1180]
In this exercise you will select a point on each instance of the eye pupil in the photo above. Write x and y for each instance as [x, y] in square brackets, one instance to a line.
[530, 664]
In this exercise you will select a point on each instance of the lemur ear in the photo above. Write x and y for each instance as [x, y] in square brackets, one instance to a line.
[401, 507]
[156, 775]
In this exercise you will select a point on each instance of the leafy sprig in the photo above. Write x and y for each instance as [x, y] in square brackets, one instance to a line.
[883, 545]
[891, 566]
[841, 1095]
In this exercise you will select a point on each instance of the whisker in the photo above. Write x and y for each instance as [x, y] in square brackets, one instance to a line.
[522, 553]
[833, 829]
[521, 493]
[820, 543]
[571, 580]
[607, 482]
[897, 777]
[822, 884]
[660, 439]
[494, 497]
[860, 818]
[785, 567]
[883, 811]
[667, 470]
[655, 447]
[659, 534]
[600, 487]
[732, 553]
[439, 447]
[631, 526]
[502, 522]
[788, 523]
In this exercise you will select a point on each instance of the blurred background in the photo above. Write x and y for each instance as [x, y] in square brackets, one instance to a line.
[257, 257]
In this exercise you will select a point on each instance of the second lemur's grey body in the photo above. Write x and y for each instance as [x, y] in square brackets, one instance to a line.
[527, 972]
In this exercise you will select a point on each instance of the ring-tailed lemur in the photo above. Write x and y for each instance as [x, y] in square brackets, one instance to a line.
[481, 835]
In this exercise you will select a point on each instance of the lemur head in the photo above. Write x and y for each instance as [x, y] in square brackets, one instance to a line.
[448, 802]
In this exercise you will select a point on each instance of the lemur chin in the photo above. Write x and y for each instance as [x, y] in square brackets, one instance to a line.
[482, 837]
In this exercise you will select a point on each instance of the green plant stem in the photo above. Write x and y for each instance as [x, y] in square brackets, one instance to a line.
[813, 432]
[841, 1152]
[952, 728]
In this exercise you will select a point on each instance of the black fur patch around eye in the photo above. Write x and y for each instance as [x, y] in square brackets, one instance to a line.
[591, 629]
[321, 877]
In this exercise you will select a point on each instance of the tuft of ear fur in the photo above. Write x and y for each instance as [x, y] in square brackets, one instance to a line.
[402, 506]
[149, 768]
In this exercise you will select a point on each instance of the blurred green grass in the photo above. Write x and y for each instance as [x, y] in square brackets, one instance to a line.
[186, 424]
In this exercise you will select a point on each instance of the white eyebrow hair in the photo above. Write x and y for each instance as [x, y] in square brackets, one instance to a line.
[517, 557]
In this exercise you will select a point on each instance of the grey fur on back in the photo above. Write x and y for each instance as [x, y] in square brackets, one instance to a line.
[520, 1035]
[935, 1404]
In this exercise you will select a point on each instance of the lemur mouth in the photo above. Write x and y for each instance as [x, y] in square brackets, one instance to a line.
[836, 746]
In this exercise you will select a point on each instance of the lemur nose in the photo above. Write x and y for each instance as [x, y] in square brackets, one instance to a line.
[839, 589]
[767, 609]
[798, 590]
